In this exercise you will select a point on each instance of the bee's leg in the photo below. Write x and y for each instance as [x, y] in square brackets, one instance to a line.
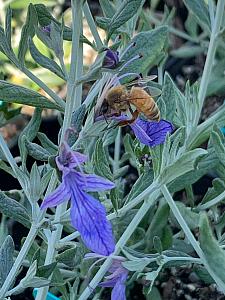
[128, 122]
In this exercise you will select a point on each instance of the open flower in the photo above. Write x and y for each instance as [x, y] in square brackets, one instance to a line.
[88, 215]
[151, 133]
[117, 280]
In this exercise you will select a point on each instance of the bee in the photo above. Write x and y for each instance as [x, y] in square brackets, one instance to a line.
[119, 99]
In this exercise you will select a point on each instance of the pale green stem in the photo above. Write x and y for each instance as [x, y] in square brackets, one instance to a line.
[43, 86]
[190, 235]
[19, 260]
[72, 102]
[116, 164]
[92, 25]
[120, 244]
[8, 156]
[213, 202]
[211, 53]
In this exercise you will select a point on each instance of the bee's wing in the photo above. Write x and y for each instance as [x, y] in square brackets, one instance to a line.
[141, 81]
[153, 91]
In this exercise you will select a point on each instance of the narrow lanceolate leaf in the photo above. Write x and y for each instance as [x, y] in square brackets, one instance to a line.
[6, 258]
[36, 151]
[151, 45]
[125, 11]
[218, 146]
[200, 11]
[107, 8]
[29, 133]
[5, 47]
[28, 30]
[13, 93]
[214, 254]
[100, 161]
[47, 144]
[8, 27]
[44, 61]
[183, 165]
[13, 209]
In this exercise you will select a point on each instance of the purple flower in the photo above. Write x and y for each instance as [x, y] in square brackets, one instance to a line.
[88, 215]
[151, 133]
[116, 280]
[111, 59]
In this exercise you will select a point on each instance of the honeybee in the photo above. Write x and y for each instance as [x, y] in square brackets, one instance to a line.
[119, 100]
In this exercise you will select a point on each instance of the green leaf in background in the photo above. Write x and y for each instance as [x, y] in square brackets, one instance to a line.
[6, 258]
[13, 93]
[187, 51]
[21, 4]
[124, 12]
[200, 11]
[13, 209]
[28, 30]
[151, 45]
[44, 61]
[100, 161]
[214, 254]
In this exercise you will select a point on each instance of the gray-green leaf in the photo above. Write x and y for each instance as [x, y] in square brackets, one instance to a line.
[6, 258]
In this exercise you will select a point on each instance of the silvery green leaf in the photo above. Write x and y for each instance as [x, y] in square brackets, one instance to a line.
[29, 133]
[126, 10]
[45, 18]
[8, 27]
[163, 108]
[170, 97]
[202, 132]
[184, 164]
[157, 244]
[103, 22]
[13, 93]
[110, 136]
[214, 254]
[100, 161]
[70, 257]
[218, 144]
[157, 224]
[6, 48]
[92, 74]
[129, 149]
[47, 143]
[28, 30]
[6, 168]
[78, 117]
[200, 11]
[45, 180]
[203, 274]
[218, 186]
[187, 51]
[143, 182]
[44, 61]
[35, 182]
[137, 265]
[57, 38]
[191, 217]
[46, 270]
[36, 151]
[13, 209]
[107, 8]
[150, 44]
[153, 295]
[6, 258]
[156, 156]
[204, 165]
[191, 25]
